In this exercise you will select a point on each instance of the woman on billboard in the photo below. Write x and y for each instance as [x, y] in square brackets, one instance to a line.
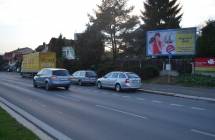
[156, 44]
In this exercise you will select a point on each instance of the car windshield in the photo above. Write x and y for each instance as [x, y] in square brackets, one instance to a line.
[132, 75]
[90, 74]
[60, 73]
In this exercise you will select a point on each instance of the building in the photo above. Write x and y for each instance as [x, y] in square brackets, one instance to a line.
[67, 47]
[14, 58]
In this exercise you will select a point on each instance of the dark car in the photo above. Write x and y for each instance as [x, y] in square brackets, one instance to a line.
[84, 77]
[52, 77]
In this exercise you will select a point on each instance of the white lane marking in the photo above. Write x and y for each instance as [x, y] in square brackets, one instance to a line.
[197, 108]
[115, 95]
[120, 111]
[59, 112]
[43, 105]
[156, 101]
[72, 98]
[202, 132]
[141, 99]
[177, 105]
[126, 96]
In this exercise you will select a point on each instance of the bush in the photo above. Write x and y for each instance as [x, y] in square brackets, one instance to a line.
[196, 80]
[149, 72]
[104, 68]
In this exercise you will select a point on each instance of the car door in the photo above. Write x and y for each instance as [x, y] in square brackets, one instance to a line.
[113, 79]
[46, 74]
[105, 80]
[81, 75]
[38, 77]
[75, 77]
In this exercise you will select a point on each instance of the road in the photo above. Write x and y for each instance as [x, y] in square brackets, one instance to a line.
[88, 113]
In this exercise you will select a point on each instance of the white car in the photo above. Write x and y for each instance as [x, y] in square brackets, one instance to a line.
[120, 81]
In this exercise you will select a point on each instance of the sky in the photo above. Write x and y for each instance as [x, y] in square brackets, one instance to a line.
[29, 23]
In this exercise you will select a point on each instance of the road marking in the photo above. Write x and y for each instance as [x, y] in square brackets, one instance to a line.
[59, 112]
[177, 105]
[156, 101]
[197, 108]
[72, 98]
[126, 96]
[43, 105]
[120, 111]
[203, 133]
[115, 95]
[141, 99]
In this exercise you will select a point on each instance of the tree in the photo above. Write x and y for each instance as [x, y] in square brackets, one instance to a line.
[40, 47]
[113, 19]
[56, 45]
[161, 14]
[90, 47]
[206, 42]
[137, 41]
[2, 62]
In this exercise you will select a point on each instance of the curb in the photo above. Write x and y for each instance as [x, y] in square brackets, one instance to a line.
[178, 95]
[41, 129]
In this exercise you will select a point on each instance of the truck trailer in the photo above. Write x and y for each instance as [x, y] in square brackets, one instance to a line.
[34, 62]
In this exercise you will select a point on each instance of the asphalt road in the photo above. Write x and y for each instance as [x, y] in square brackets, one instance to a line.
[87, 113]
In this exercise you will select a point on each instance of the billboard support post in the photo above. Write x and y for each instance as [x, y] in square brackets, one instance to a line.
[169, 69]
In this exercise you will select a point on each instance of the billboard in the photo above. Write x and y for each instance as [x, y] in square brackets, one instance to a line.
[206, 65]
[171, 42]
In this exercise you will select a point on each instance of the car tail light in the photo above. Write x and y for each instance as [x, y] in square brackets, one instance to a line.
[127, 81]
[54, 77]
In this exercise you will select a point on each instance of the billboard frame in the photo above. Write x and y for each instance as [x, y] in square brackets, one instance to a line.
[170, 55]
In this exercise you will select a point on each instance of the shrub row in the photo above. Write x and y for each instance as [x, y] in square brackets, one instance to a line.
[196, 80]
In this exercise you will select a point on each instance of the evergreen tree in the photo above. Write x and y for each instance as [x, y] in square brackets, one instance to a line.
[2, 62]
[56, 45]
[113, 19]
[90, 47]
[161, 14]
[206, 42]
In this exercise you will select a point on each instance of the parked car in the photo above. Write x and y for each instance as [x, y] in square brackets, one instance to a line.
[84, 77]
[52, 77]
[120, 81]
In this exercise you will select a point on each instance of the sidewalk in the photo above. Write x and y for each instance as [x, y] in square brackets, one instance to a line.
[207, 94]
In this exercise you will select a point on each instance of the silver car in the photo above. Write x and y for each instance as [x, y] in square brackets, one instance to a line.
[120, 81]
[84, 77]
[52, 77]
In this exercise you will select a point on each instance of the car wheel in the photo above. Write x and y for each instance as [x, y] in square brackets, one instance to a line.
[47, 87]
[66, 88]
[99, 85]
[35, 84]
[118, 87]
[80, 83]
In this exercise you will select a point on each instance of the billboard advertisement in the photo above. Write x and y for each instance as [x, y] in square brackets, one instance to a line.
[171, 42]
[206, 65]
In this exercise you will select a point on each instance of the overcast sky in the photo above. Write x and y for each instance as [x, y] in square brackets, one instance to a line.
[29, 23]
